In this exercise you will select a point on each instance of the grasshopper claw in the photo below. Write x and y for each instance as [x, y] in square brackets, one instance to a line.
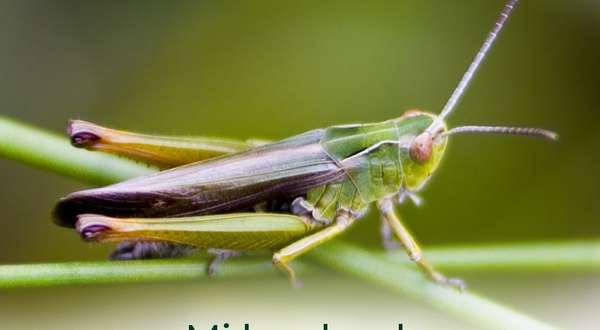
[457, 283]
[213, 267]
[391, 244]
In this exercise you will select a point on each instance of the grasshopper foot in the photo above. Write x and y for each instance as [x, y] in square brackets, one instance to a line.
[220, 255]
[289, 271]
[391, 244]
[389, 241]
[456, 283]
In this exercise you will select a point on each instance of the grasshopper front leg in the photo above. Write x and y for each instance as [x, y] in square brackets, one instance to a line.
[282, 257]
[388, 239]
[386, 208]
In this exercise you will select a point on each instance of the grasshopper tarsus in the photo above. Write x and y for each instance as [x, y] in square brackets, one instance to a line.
[391, 244]
[457, 283]
[287, 270]
[451, 282]
[388, 240]
[219, 256]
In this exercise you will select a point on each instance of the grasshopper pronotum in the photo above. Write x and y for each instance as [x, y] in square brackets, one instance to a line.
[288, 196]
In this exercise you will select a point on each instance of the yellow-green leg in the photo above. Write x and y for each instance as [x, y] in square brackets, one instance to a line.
[389, 240]
[282, 257]
[161, 151]
[386, 208]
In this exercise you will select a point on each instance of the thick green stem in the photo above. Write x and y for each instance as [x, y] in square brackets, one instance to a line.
[408, 280]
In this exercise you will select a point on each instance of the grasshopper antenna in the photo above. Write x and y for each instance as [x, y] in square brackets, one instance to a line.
[468, 76]
[527, 131]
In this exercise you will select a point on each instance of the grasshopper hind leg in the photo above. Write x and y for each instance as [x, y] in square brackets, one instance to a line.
[134, 250]
[162, 151]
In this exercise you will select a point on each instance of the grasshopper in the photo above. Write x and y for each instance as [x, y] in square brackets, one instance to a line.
[232, 197]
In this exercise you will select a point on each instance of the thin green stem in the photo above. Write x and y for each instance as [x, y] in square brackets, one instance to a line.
[103, 272]
[529, 257]
[547, 256]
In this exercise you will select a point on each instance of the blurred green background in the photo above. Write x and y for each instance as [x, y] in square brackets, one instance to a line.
[273, 69]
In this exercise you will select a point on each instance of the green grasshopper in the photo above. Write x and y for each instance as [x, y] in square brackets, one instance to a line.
[231, 197]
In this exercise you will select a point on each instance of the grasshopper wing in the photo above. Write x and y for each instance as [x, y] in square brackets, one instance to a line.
[234, 182]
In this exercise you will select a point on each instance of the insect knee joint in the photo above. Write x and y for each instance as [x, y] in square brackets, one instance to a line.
[305, 209]
[385, 205]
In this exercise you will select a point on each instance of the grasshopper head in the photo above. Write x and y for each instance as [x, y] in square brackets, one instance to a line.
[428, 136]
[422, 153]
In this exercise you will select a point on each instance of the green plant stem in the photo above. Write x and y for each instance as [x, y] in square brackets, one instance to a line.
[374, 268]
[49, 151]
[529, 257]
[547, 256]
[102, 272]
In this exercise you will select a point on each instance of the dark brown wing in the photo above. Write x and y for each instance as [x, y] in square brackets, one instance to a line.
[234, 182]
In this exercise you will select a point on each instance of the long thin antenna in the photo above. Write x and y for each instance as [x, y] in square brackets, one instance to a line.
[468, 76]
[528, 131]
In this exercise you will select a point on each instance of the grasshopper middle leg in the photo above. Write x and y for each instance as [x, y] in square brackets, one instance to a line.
[412, 248]
[282, 257]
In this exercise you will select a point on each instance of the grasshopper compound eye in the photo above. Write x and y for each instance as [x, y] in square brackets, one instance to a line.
[421, 147]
